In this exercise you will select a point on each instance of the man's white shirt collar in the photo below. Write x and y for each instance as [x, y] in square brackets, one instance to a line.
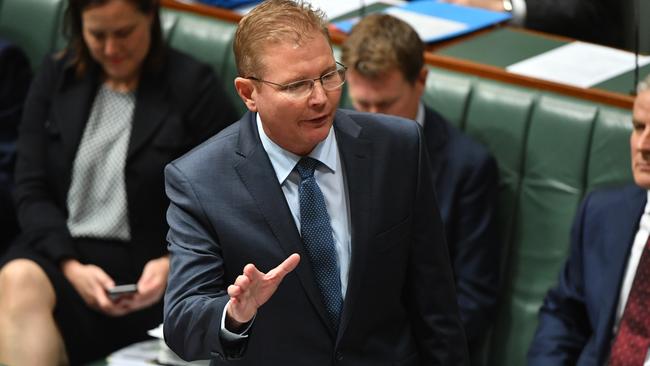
[419, 118]
[284, 161]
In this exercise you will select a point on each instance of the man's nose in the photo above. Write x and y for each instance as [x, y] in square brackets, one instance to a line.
[643, 143]
[318, 94]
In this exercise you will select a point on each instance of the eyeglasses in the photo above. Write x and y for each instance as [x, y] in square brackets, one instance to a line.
[299, 89]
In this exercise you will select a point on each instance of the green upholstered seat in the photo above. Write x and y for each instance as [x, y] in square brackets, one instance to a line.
[208, 39]
[611, 129]
[32, 24]
[448, 94]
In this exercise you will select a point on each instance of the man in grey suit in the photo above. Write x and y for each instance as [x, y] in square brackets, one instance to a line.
[327, 212]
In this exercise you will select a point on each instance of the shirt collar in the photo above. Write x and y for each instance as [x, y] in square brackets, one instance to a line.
[419, 118]
[284, 161]
[647, 204]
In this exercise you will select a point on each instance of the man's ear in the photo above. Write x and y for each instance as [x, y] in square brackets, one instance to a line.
[246, 91]
[421, 80]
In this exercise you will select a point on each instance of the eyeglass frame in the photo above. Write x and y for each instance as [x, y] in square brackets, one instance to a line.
[283, 87]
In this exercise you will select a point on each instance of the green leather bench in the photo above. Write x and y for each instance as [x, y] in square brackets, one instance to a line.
[551, 150]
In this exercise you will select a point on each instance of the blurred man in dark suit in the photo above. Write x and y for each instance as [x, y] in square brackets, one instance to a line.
[387, 75]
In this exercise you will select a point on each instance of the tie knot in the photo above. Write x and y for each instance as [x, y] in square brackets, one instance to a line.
[306, 167]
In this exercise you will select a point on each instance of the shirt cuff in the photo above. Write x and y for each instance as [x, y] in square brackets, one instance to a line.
[228, 335]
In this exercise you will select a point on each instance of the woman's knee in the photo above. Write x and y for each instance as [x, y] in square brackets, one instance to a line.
[24, 285]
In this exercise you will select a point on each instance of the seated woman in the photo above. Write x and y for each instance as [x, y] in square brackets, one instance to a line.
[101, 121]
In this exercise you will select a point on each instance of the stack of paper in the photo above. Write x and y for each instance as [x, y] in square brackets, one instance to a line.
[579, 64]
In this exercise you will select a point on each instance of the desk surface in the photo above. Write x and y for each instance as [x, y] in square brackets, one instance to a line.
[485, 54]
[505, 46]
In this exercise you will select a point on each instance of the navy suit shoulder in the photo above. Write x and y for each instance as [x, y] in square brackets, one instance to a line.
[577, 316]
[466, 181]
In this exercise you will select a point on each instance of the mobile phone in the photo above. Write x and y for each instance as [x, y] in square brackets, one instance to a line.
[121, 290]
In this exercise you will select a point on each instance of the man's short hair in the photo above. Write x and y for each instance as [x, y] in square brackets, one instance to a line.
[381, 42]
[273, 22]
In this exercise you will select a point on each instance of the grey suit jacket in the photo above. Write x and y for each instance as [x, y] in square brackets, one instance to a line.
[227, 209]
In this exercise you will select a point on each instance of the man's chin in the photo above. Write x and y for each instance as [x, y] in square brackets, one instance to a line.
[642, 180]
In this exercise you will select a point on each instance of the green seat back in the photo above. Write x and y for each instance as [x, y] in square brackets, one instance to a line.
[34, 25]
[611, 128]
[209, 40]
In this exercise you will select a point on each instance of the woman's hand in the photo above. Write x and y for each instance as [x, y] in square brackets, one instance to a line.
[91, 282]
[151, 285]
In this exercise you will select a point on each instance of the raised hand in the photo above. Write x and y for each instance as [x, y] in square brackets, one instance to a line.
[254, 288]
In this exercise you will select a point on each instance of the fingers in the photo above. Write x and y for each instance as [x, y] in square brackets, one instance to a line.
[154, 276]
[290, 263]
[284, 268]
[104, 279]
[241, 284]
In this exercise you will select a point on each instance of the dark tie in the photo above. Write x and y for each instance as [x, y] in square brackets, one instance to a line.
[317, 237]
[633, 339]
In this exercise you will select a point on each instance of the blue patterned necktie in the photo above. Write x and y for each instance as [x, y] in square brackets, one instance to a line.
[317, 237]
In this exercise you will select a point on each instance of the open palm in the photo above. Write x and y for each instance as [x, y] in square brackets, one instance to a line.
[253, 289]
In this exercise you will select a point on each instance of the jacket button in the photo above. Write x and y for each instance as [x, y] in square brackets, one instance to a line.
[339, 356]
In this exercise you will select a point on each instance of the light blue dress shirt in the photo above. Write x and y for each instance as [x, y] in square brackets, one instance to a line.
[330, 177]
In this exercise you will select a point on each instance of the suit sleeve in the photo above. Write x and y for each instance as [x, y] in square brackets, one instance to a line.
[196, 293]
[477, 247]
[430, 292]
[564, 328]
[42, 219]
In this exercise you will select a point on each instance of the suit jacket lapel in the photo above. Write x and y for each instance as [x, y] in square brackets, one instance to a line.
[71, 107]
[618, 250]
[257, 175]
[355, 155]
[150, 111]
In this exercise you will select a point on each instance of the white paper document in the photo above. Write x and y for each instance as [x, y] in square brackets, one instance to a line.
[579, 64]
[427, 26]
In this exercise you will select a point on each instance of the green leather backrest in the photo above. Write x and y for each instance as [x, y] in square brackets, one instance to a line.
[209, 40]
[550, 149]
[34, 25]
[610, 129]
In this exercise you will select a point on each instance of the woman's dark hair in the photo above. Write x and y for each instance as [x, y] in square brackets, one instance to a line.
[73, 30]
